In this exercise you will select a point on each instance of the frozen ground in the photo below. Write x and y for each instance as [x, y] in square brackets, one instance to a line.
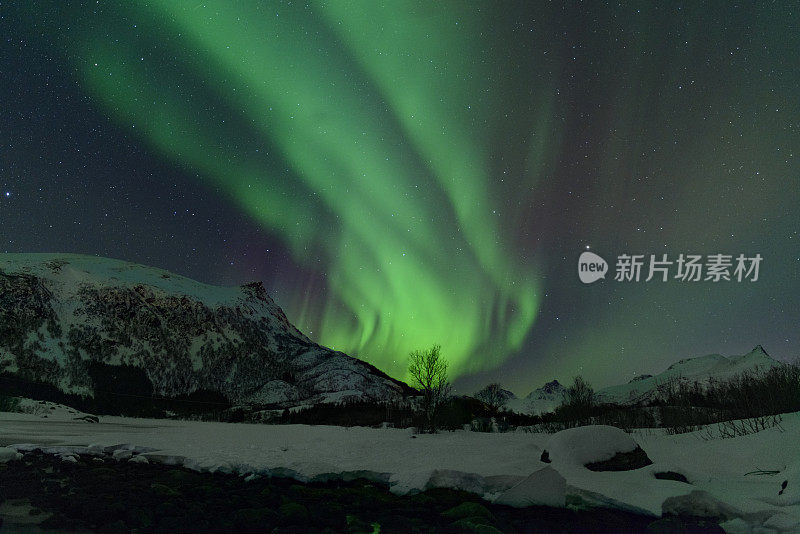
[503, 468]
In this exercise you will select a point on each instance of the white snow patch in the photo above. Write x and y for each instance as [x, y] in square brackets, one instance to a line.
[543, 487]
[7, 454]
[95, 449]
[51, 410]
[121, 454]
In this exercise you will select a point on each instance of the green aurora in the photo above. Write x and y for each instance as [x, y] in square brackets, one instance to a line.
[403, 173]
[385, 148]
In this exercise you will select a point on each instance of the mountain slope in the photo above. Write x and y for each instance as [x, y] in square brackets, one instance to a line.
[645, 387]
[541, 400]
[85, 324]
[699, 369]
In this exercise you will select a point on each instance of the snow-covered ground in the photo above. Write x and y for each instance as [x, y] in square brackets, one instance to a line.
[53, 410]
[503, 468]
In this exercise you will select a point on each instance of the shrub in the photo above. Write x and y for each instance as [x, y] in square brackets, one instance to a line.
[494, 396]
[579, 404]
[353, 413]
[751, 425]
[746, 403]
[9, 404]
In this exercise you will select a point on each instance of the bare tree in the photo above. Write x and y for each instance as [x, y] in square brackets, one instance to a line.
[579, 403]
[580, 394]
[428, 372]
[493, 396]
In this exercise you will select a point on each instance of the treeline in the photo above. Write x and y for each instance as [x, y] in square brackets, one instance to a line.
[748, 394]
[742, 404]
[754, 399]
[456, 413]
[118, 390]
[745, 403]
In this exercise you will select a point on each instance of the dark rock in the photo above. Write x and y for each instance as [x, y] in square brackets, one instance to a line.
[117, 527]
[671, 475]
[103, 474]
[356, 524]
[469, 510]
[251, 518]
[698, 505]
[140, 516]
[294, 512]
[87, 418]
[172, 524]
[222, 503]
[163, 491]
[180, 477]
[475, 525]
[676, 525]
[552, 387]
[622, 461]
[545, 457]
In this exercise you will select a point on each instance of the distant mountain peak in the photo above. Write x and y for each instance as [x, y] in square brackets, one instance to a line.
[552, 387]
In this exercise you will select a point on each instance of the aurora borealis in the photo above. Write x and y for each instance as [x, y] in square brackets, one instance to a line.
[407, 173]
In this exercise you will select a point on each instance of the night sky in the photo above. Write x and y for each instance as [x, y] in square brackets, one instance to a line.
[404, 173]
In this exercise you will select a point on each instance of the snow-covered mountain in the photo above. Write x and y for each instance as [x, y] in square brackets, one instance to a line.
[75, 321]
[540, 400]
[700, 369]
[645, 387]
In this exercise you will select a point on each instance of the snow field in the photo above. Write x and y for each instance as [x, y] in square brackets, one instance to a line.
[503, 468]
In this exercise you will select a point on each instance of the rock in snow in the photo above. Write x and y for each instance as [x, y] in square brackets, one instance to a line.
[699, 504]
[588, 444]
[8, 454]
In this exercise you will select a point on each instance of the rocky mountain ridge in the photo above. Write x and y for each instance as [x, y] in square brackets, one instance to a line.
[88, 325]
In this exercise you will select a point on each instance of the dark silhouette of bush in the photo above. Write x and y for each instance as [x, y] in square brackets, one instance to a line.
[460, 411]
[353, 413]
[8, 404]
[121, 390]
[579, 404]
[743, 404]
[494, 396]
[755, 398]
